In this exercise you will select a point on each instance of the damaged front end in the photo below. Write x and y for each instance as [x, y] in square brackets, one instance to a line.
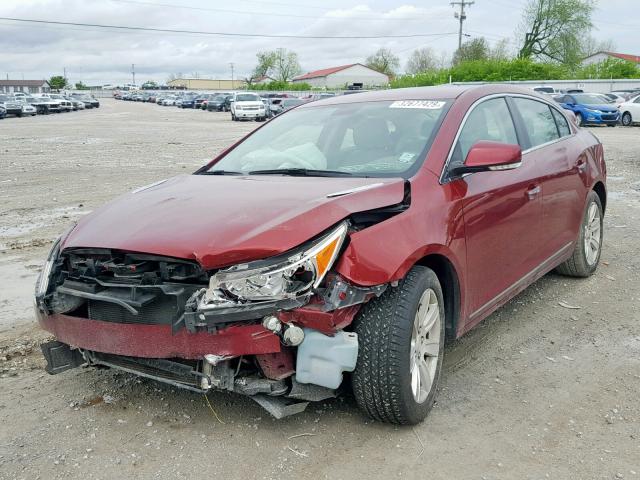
[271, 329]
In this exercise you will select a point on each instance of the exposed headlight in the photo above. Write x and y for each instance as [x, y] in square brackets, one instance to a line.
[285, 276]
[42, 283]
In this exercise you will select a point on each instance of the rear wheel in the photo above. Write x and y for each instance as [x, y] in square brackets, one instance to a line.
[627, 119]
[401, 341]
[586, 254]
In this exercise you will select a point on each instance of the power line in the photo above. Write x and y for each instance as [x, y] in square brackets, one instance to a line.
[268, 14]
[219, 34]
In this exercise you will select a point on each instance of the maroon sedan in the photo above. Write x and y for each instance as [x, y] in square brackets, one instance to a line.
[352, 234]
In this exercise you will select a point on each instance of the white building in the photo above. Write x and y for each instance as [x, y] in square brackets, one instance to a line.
[25, 86]
[344, 76]
[602, 56]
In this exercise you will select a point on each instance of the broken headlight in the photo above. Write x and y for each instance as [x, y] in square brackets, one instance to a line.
[42, 283]
[283, 277]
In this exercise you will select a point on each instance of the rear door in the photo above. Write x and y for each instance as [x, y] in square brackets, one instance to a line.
[553, 147]
[502, 212]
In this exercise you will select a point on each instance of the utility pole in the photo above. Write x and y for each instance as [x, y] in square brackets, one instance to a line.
[133, 74]
[231, 65]
[462, 16]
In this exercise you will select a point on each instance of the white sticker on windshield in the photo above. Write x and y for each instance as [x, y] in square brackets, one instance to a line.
[425, 104]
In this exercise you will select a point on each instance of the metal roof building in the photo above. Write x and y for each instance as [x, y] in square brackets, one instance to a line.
[26, 86]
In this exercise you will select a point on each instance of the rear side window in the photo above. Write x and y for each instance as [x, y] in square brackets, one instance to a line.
[490, 120]
[538, 121]
[561, 122]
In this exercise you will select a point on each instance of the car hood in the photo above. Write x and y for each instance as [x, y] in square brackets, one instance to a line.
[223, 220]
[602, 108]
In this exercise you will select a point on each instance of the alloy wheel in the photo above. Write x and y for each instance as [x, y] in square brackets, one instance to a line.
[592, 231]
[579, 120]
[425, 346]
[626, 119]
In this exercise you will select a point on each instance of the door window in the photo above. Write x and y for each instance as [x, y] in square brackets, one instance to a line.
[538, 121]
[490, 120]
[561, 122]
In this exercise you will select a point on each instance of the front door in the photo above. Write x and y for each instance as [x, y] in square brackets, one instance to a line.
[502, 213]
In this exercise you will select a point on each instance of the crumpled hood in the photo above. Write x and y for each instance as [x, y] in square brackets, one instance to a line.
[223, 220]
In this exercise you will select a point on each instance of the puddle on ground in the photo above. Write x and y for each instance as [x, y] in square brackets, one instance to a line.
[16, 299]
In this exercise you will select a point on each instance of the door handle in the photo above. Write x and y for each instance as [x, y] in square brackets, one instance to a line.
[533, 192]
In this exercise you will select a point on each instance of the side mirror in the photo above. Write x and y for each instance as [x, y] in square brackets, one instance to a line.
[487, 156]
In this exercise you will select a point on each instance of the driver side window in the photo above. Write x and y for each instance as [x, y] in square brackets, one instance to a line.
[490, 120]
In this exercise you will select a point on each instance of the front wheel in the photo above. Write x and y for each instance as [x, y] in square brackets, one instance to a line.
[579, 119]
[626, 119]
[401, 342]
[586, 255]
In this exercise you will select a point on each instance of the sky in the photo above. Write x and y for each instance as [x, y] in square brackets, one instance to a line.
[104, 56]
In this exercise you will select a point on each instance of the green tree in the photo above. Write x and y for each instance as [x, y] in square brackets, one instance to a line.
[81, 86]
[383, 61]
[280, 64]
[554, 29]
[476, 49]
[58, 82]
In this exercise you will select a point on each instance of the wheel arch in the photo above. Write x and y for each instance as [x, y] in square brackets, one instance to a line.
[450, 283]
[601, 190]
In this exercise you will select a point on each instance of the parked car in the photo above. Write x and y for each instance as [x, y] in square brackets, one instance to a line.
[590, 109]
[188, 101]
[27, 108]
[545, 90]
[286, 104]
[247, 106]
[77, 104]
[88, 100]
[219, 103]
[350, 235]
[3, 112]
[201, 101]
[65, 105]
[615, 98]
[10, 105]
[630, 111]
[45, 104]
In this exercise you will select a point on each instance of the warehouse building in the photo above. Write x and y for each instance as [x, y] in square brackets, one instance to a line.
[345, 76]
[602, 56]
[205, 84]
[26, 86]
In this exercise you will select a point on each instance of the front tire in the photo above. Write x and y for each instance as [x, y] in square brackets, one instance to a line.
[627, 120]
[401, 342]
[579, 119]
[586, 255]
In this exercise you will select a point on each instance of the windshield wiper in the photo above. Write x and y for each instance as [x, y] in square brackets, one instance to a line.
[221, 172]
[302, 172]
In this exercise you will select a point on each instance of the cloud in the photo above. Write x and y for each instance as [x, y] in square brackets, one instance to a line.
[105, 56]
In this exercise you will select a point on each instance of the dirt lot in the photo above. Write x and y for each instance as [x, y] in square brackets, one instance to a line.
[536, 391]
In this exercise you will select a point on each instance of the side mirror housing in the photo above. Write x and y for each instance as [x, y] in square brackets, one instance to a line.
[486, 156]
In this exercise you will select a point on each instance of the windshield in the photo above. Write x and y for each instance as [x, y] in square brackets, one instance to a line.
[384, 139]
[588, 99]
[4, 98]
[247, 97]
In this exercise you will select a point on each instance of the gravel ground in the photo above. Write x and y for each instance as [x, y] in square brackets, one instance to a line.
[536, 391]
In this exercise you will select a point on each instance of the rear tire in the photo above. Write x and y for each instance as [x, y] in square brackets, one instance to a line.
[401, 341]
[586, 255]
[627, 120]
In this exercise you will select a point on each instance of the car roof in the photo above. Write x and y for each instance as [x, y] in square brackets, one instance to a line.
[441, 92]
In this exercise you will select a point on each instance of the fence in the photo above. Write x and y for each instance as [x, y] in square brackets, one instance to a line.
[598, 86]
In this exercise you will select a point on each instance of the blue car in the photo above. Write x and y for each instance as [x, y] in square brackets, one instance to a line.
[590, 109]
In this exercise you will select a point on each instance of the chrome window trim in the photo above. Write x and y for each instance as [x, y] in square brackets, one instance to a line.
[475, 104]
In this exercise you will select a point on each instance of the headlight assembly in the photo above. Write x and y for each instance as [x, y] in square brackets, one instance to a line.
[42, 283]
[283, 277]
